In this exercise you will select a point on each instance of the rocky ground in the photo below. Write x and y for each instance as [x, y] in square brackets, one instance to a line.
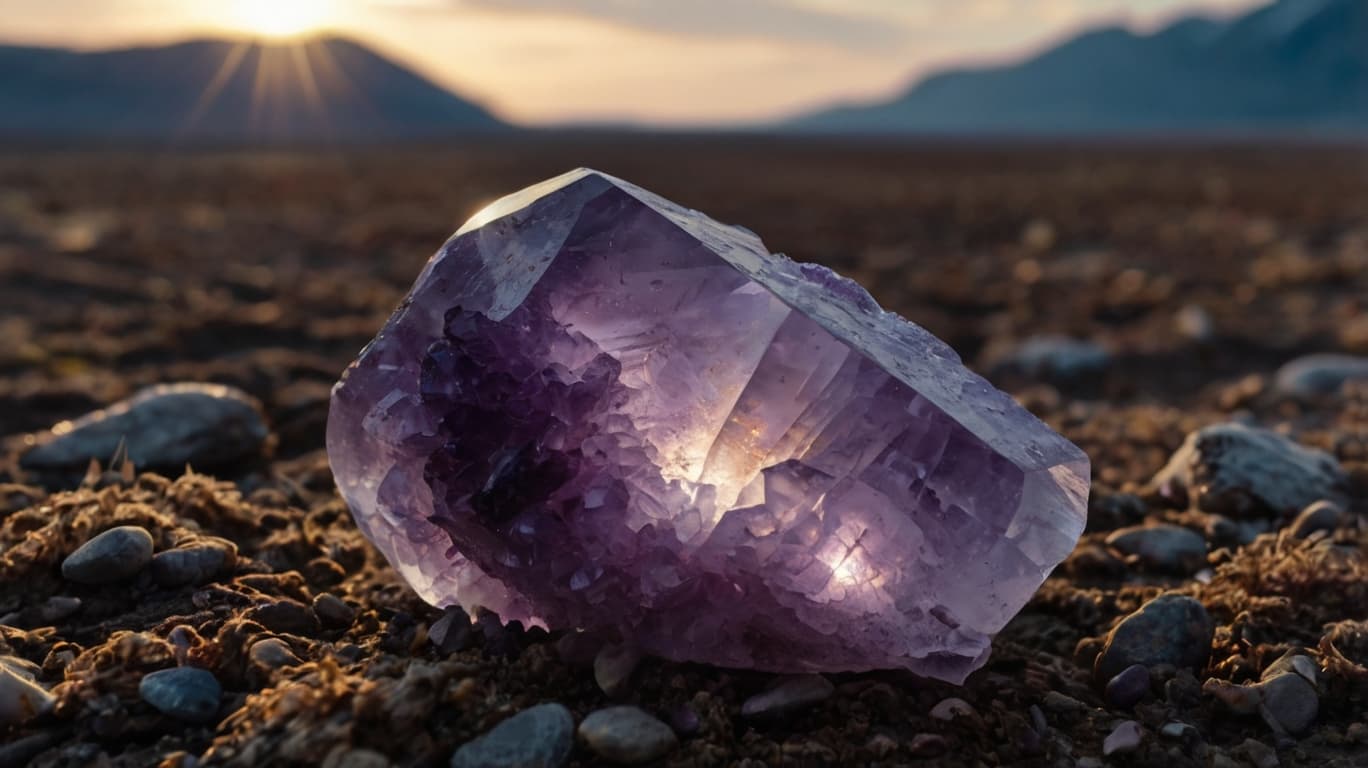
[1157, 305]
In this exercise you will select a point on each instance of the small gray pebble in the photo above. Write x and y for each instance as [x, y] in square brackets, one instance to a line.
[1124, 738]
[791, 695]
[194, 563]
[1170, 629]
[1179, 731]
[1291, 701]
[627, 735]
[1319, 375]
[185, 693]
[613, 668]
[21, 699]
[1240, 471]
[114, 555]
[272, 653]
[1126, 689]
[1295, 662]
[332, 611]
[1285, 695]
[1062, 704]
[537, 737]
[1163, 547]
[166, 426]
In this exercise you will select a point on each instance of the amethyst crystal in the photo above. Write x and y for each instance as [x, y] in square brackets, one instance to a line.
[599, 410]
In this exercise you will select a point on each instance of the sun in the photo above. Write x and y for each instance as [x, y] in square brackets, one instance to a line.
[279, 18]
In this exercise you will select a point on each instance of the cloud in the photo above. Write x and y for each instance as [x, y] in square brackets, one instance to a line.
[789, 21]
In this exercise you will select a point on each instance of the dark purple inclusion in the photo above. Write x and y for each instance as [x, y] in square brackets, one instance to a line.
[597, 410]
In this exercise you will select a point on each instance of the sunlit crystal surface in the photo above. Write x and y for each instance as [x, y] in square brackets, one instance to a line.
[599, 410]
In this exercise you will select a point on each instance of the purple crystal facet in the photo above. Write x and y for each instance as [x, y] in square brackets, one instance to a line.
[599, 410]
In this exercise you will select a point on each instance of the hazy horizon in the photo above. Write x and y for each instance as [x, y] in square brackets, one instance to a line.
[713, 62]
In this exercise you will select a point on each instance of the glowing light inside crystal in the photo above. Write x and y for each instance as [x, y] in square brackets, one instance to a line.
[598, 410]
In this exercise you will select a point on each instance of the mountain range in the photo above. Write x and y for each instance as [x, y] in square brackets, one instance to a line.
[319, 89]
[1289, 67]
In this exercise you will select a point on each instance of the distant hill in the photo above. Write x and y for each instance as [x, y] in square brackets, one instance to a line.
[1289, 67]
[319, 89]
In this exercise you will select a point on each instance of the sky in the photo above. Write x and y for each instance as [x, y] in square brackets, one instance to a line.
[681, 62]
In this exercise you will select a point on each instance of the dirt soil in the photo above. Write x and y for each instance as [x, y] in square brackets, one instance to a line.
[1200, 270]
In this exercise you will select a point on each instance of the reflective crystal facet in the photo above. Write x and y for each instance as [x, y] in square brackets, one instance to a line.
[599, 410]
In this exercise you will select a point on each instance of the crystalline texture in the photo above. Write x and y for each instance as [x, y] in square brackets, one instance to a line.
[599, 410]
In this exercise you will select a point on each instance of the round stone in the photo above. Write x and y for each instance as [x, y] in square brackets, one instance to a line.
[1179, 732]
[1170, 629]
[537, 737]
[1242, 471]
[194, 563]
[21, 699]
[1163, 547]
[185, 693]
[1320, 375]
[613, 668]
[1129, 687]
[333, 612]
[167, 426]
[272, 653]
[627, 735]
[1291, 701]
[114, 555]
[1124, 738]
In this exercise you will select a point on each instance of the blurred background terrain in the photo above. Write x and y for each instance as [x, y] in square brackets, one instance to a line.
[317, 71]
